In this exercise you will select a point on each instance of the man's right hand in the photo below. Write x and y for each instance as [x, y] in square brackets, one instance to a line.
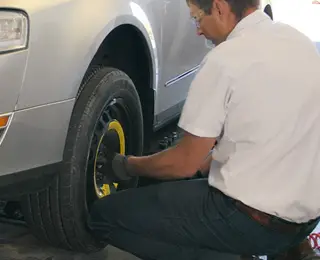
[116, 168]
[120, 168]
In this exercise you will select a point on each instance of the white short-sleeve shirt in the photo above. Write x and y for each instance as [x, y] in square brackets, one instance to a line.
[260, 91]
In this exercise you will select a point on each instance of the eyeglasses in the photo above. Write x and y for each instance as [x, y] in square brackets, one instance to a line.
[196, 19]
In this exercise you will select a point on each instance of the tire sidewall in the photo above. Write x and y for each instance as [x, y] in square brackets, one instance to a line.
[100, 89]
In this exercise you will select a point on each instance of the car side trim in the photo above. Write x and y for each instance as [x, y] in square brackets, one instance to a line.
[182, 76]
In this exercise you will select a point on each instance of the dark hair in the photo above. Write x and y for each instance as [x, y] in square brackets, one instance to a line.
[238, 7]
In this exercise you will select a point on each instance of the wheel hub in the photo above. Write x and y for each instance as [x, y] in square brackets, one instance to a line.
[113, 139]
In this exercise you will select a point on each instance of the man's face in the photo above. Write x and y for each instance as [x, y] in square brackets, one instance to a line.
[215, 26]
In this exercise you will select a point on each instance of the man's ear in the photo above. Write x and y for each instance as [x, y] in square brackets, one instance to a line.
[220, 6]
[212, 6]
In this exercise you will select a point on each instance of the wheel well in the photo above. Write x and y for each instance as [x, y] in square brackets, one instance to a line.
[268, 11]
[125, 48]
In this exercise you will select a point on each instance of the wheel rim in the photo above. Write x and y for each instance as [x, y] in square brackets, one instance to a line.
[114, 120]
[105, 189]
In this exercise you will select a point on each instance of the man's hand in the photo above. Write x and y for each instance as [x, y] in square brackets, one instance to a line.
[116, 168]
[178, 162]
[121, 169]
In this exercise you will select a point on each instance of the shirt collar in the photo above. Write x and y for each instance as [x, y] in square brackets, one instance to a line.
[252, 19]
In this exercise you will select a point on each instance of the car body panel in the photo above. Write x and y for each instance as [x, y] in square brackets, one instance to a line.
[56, 42]
[183, 51]
[28, 144]
[60, 53]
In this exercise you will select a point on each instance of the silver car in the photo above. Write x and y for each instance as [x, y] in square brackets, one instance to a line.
[77, 78]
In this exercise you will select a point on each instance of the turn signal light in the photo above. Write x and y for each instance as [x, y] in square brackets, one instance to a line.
[4, 121]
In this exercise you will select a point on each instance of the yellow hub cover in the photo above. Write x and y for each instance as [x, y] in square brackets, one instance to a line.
[105, 189]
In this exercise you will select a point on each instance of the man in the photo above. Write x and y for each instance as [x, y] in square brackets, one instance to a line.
[259, 91]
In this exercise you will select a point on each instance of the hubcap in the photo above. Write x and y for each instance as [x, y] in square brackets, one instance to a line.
[115, 137]
[113, 132]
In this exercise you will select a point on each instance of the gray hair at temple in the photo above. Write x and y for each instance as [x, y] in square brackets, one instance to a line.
[238, 7]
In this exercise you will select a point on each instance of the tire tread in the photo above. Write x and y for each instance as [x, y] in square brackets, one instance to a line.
[53, 214]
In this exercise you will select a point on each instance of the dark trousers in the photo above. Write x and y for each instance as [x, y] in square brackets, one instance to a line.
[186, 220]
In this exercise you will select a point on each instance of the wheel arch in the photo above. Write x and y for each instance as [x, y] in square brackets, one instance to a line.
[128, 47]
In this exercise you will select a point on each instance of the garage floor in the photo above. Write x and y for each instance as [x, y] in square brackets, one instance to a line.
[17, 244]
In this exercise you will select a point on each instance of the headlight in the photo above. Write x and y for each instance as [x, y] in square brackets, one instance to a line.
[13, 31]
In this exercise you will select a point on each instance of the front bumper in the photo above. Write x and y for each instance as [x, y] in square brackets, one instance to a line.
[12, 70]
[34, 138]
[40, 106]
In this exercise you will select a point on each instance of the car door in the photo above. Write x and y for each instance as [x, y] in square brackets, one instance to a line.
[182, 52]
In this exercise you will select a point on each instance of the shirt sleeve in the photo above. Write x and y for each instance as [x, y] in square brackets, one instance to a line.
[205, 109]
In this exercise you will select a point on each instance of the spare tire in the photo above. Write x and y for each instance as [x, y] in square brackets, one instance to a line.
[108, 101]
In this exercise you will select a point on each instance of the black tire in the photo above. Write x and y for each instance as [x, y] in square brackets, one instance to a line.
[58, 214]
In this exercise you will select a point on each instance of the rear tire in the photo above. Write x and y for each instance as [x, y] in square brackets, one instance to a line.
[58, 214]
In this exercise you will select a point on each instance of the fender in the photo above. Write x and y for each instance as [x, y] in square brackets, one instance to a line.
[61, 47]
[139, 19]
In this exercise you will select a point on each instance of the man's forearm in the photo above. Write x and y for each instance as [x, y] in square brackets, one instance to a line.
[180, 161]
[168, 164]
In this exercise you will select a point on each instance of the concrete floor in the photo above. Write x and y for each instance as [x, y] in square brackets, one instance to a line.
[17, 244]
